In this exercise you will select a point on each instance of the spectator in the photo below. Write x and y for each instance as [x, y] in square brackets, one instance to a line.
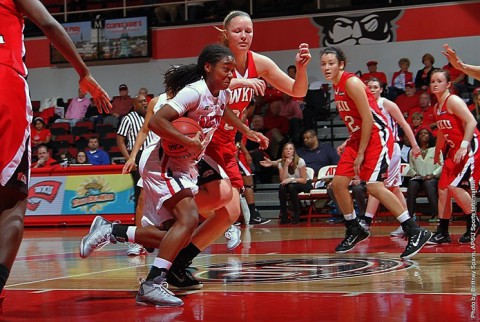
[262, 174]
[278, 128]
[81, 158]
[422, 79]
[373, 73]
[292, 171]
[417, 121]
[121, 106]
[292, 71]
[40, 134]
[458, 79]
[291, 109]
[475, 106]
[426, 109]
[408, 100]
[424, 173]
[95, 155]
[76, 110]
[44, 159]
[315, 153]
[168, 12]
[400, 79]
[144, 91]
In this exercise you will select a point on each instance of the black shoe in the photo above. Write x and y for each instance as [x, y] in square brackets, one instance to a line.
[259, 220]
[466, 238]
[418, 238]
[354, 234]
[183, 279]
[439, 237]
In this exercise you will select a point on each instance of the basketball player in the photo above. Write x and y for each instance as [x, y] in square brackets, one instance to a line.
[394, 117]
[369, 136]
[459, 134]
[16, 111]
[170, 184]
[251, 68]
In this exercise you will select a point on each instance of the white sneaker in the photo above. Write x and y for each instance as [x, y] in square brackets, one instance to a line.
[156, 293]
[398, 232]
[135, 250]
[232, 235]
[98, 237]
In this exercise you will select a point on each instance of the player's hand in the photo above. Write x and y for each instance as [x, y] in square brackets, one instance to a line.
[196, 143]
[259, 138]
[358, 163]
[99, 95]
[303, 56]
[452, 57]
[258, 85]
[459, 155]
[129, 166]
[340, 149]
[416, 151]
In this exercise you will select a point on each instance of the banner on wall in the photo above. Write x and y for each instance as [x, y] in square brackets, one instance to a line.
[81, 195]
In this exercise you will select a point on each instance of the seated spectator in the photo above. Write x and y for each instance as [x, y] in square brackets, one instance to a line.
[405, 146]
[95, 155]
[426, 109]
[292, 110]
[121, 106]
[44, 158]
[144, 91]
[475, 106]
[168, 12]
[278, 128]
[76, 110]
[315, 153]
[40, 134]
[422, 79]
[81, 158]
[373, 73]
[400, 79]
[292, 171]
[417, 121]
[408, 100]
[458, 79]
[424, 173]
[262, 175]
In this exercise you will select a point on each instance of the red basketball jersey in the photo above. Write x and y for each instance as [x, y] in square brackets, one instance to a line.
[348, 110]
[12, 49]
[239, 100]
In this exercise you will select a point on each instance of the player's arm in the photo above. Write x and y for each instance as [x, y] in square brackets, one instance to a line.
[35, 10]
[396, 114]
[458, 107]
[456, 62]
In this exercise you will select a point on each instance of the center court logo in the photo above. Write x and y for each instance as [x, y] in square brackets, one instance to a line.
[297, 270]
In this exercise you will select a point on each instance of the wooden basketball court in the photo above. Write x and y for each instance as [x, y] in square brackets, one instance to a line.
[278, 273]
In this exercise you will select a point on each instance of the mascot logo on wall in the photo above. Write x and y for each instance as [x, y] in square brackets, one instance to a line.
[92, 195]
[358, 29]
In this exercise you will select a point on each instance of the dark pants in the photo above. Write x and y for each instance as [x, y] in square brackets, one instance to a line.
[431, 189]
[292, 190]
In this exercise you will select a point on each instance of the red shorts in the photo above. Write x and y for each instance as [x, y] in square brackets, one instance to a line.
[15, 118]
[458, 175]
[225, 156]
[377, 158]
[243, 165]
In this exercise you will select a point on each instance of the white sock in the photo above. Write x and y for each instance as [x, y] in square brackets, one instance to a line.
[351, 216]
[131, 233]
[369, 215]
[162, 263]
[403, 217]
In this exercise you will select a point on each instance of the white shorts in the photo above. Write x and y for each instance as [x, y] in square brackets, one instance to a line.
[163, 177]
[394, 178]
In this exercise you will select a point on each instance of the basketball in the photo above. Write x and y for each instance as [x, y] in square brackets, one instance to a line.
[188, 127]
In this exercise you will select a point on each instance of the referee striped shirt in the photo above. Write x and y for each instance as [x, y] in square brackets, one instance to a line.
[130, 126]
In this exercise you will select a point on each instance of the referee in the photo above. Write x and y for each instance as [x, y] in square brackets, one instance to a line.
[127, 132]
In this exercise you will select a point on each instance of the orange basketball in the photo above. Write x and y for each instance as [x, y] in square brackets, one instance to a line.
[188, 127]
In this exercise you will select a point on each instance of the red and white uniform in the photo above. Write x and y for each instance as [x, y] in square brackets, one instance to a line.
[380, 145]
[394, 174]
[457, 175]
[164, 176]
[222, 149]
[15, 108]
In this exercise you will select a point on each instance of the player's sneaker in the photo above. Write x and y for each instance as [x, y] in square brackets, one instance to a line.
[156, 293]
[364, 224]
[418, 238]
[259, 220]
[466, 238]
[232, 235]
[353, 235]
[136, 250]
[398, 232]
[99, 236]
[183, 279]
[439, 237]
